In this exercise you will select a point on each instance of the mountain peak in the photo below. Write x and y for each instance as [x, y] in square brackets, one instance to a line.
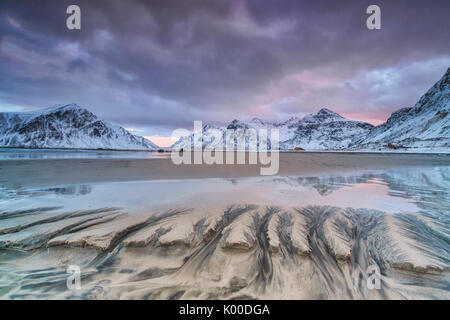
[66, 106]
[237, 124]
[326, 111]
[323, 115]
[63, 107]
[256, 120]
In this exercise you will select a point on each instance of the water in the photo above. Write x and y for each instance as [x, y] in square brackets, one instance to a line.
[113, 213]
[392, 191]
[30, 154]
[366, 191]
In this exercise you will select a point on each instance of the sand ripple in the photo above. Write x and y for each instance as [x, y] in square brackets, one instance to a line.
[242, 251]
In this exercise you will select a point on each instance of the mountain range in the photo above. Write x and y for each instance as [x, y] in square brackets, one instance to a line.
[324, 130]
[425, 126]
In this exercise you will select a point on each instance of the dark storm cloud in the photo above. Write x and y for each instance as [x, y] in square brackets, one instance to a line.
[162, 64]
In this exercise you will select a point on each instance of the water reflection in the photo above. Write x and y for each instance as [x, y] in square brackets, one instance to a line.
[41, 154]
[423, 190]
[71, 190]
[22, 192]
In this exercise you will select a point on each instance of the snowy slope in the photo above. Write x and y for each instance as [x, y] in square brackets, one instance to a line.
[424, 126]
[68, 126]
[324, 130]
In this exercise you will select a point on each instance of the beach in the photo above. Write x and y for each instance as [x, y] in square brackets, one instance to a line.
[144, 228]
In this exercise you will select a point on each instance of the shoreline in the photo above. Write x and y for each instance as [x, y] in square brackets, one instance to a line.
[168, 150]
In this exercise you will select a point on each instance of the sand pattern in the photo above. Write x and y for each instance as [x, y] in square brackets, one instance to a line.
[241, 251]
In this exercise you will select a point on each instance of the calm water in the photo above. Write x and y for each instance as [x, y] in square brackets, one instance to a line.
[395, 190]
[18, 153]
[392, 191]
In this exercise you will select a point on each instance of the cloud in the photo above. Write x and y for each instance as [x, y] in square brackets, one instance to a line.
[159, 65]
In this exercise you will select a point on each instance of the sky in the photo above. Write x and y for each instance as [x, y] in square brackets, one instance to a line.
[157, 65]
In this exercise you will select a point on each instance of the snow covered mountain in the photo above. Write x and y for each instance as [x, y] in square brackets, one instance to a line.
[324, 130]
[424, 126]
[68, 126]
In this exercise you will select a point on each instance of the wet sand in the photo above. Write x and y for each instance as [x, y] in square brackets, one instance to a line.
[73, 171]
[239, 252]
[224, 232]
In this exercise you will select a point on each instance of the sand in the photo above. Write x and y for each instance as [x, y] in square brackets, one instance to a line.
[316, 252]
[218, 249]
